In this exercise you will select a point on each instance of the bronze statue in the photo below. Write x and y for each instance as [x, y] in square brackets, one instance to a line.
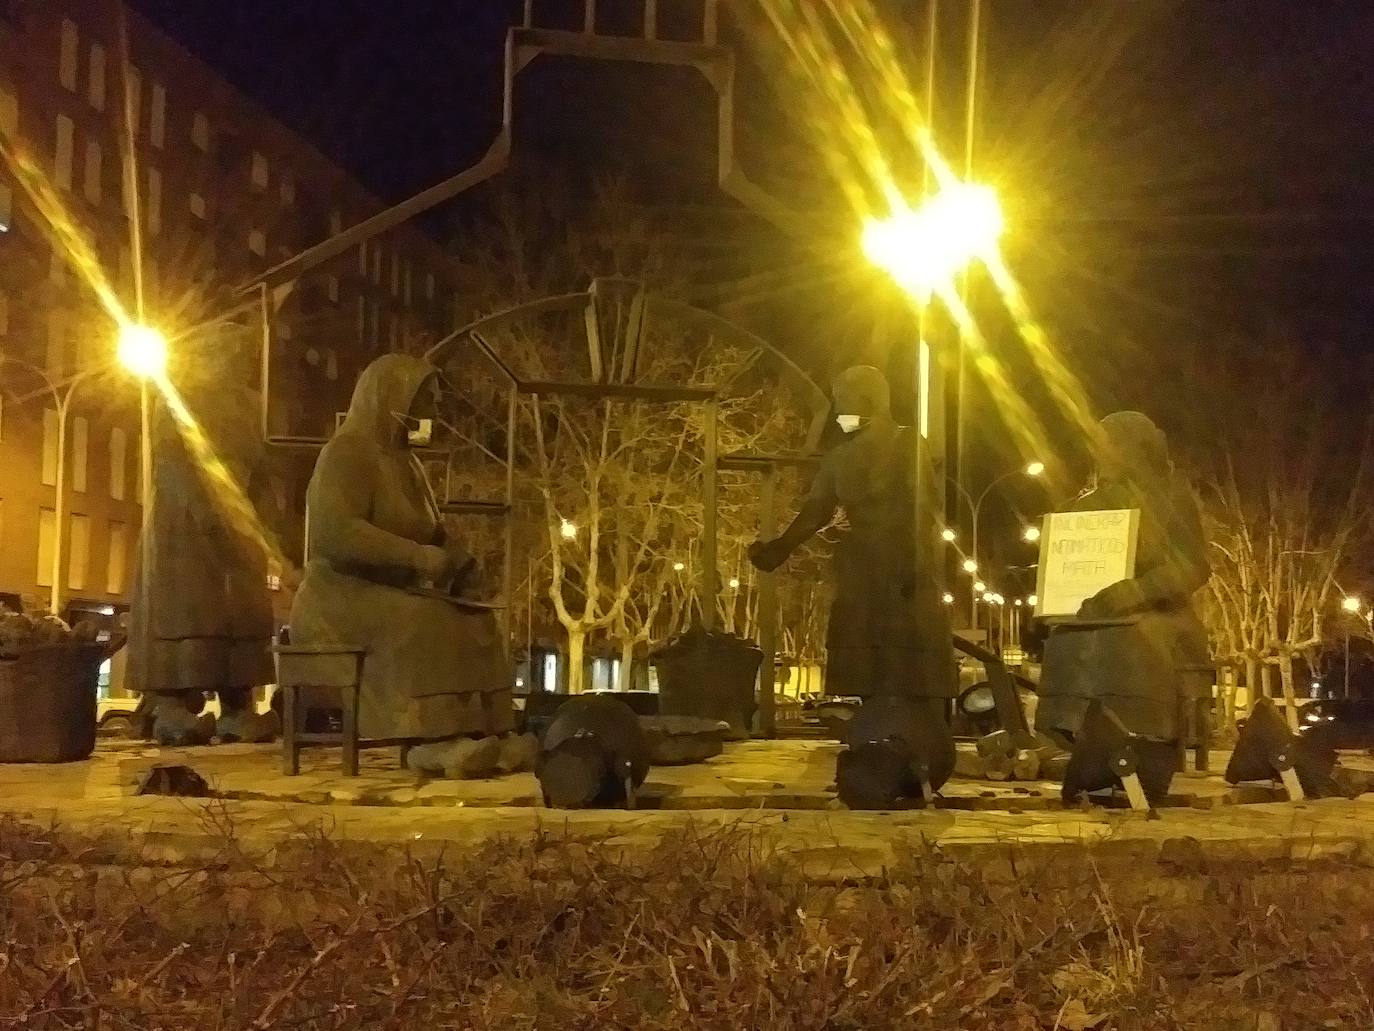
[211, 612]
[382, 574]
[888, 633]
[1138, 642]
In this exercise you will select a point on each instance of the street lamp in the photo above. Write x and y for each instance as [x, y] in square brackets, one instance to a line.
[142, 350]
[1352, 604]
[923, 249]
[679, 567]
[979, 587]
[1030, 534]
[970, 566]
[734, 583]
[1033, 470]
[947, 598]
[568, 530]
[948, 535]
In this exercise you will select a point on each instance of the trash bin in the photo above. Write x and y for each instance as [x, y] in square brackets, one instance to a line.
[48, 703]
[709, 674]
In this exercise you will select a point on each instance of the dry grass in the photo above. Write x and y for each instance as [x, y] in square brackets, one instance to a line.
[705, 931]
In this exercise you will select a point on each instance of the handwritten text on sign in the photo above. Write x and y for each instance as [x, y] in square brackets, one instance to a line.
[1080, 554]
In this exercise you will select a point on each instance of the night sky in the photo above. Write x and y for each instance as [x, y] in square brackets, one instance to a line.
[1178, 175]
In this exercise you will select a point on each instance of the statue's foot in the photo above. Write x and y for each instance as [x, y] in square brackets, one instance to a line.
[246, 726]
[176, 727]
[518, 753]
[461, 759]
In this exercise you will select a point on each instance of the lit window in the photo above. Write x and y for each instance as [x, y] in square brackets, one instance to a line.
[273, 582]
[9, 113]
[49, 471]
[47, 523]
[91, 181]
[116, 559]
[95, 88]
[119, 449]
[197, 205]
[79, 552]
[71, 45]
[153, 215]
[259, 171]
[200, 132]
[157, 116]
[81, 432]
[257, 242]
[66, 132]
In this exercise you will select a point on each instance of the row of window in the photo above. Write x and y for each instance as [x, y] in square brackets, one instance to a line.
[80, 447]
[78, 552]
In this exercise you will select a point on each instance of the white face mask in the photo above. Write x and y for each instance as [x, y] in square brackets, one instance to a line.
[419, 432]
[849, 423]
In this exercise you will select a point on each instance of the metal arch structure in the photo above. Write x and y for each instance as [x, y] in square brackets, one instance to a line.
[624, 384]
[526, 43]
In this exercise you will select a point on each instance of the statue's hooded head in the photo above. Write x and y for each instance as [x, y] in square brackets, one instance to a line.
[395, 401]
[1131, 448]
[861, 396]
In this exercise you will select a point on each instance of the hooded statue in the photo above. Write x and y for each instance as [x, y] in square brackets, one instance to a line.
[888, 633]
[210, 624]
[1138, 671]
[375, 536]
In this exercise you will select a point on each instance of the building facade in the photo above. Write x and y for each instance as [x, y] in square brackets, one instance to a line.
[130, 163]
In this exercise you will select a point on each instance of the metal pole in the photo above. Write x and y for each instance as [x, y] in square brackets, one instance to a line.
[710, 586]
[970, 118]
[768, 609]
[59, 502]
[1347, 662]
[508, 568]
[146, 531]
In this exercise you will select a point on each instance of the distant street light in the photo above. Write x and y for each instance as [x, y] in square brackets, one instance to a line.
[1035, 468]
[142, 350]
[734, 583]
[979, 587]
[947, 598]
[1352, 604]
[1032, 601]
[679, 567]
[948, 535]
[970, 566]
[975, 505]
[1017, 603]
[568, 530]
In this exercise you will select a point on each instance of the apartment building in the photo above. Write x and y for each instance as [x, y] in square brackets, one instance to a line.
[183, 189]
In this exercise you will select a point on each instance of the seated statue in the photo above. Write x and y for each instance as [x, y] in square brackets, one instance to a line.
[1138, 670]
[379, 564]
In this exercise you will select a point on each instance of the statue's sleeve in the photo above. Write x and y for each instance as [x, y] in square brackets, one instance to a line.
[1185, 567]
[817, 508]
[340, 500]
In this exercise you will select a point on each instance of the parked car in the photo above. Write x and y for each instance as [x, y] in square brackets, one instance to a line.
[116, 717]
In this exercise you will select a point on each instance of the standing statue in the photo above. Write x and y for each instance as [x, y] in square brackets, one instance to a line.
[211, 612]
[1139, 670]
[888, 632]
[379, 564]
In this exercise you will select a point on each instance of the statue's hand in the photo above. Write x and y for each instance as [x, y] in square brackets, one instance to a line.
[1119, 599]
[433, 564]
[768, 555]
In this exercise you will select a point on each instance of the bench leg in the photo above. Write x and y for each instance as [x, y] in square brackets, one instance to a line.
[290, 748]
[350, 735]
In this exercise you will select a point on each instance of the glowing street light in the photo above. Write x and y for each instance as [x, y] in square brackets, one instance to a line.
[679, 566]
[1032, 601]
[987, 597]
[568, 530]
[1031, 534]
[1352, 604]
[734, 583]
[947, 598]
[970, 566]
[1017, 603]
[948, 535]
[924, 248]
[979, 587]
[142, 350]
[1035, 469]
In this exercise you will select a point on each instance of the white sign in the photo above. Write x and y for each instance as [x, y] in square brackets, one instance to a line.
[1080, 554]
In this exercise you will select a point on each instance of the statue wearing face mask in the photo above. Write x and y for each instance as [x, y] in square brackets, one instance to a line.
[433, 670]
[888, 633]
